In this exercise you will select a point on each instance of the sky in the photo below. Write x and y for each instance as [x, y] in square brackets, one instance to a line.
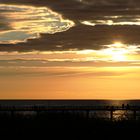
[69, 49]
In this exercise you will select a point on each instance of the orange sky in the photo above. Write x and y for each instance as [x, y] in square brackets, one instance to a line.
[45, 54]
[86, 83]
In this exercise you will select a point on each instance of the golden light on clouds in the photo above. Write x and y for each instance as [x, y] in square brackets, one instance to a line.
[116, 20]
[115, 52]
[117, 44]
[121, 52]
[28, 22]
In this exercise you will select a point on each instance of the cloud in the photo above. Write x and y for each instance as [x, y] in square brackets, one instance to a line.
[27, 22]
[114, 20]
[75, 9]
[115, 52]
[80, 37]
[110, 2]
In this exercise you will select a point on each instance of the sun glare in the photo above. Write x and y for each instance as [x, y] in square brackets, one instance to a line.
[118, 44]
[116, 51]
[118, 56]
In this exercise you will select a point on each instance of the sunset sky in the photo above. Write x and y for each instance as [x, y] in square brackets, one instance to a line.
[69, 49]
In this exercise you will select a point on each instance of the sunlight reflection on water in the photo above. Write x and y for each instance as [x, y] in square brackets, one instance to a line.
[118, 115]
[122, 115]
[99, 115]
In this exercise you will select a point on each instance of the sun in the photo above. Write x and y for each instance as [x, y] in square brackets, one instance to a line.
[118, 56]
[118, 44]
[116, 52]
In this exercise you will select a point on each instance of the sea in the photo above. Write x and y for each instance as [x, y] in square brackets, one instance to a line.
[70, 102]
[105, 115]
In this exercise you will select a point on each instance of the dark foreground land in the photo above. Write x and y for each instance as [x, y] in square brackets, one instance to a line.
[68, 123]
[67, 127]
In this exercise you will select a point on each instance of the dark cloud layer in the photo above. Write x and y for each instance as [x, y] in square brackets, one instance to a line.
[81, 36]
[82, 9]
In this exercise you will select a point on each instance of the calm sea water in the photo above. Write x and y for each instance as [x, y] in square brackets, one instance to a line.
[117, 115]
[71, 102]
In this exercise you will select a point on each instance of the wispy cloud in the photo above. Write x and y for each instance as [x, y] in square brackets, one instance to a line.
[110, 2]
[114, 20]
